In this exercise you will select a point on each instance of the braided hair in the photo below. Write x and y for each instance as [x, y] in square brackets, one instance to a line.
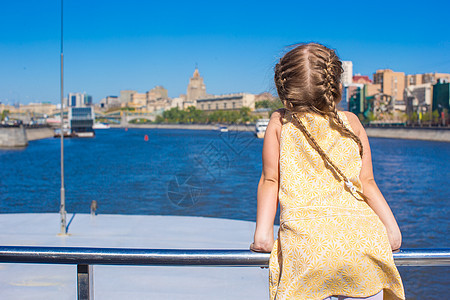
[307, 79]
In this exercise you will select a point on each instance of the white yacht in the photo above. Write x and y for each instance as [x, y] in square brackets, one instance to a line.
[260, 127]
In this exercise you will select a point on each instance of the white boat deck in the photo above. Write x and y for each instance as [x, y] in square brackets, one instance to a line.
[39, 281]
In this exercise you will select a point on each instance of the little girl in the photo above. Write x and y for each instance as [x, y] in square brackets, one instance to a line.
[336, 231]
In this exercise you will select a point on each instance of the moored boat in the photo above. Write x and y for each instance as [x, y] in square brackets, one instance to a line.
[101, 126]
[260, 127]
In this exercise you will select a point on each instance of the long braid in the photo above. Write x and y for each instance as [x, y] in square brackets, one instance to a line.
[332, 93]
[326, 158]
[344, 129]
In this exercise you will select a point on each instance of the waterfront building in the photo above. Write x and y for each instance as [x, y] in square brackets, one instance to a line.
[79, 100]
[38, 108]
[176, 102]
[196, 88]
[125, 96]
[347, 75]
[365, 99]
[110, 102]
[363, 79]
[265, 96]
[226, 102]
[441, 96]
[419, 98]
[81, 120]
[157, 93]
[348, 91]
[157, 99]
[393, 85]
[138, 100]
[431, 78]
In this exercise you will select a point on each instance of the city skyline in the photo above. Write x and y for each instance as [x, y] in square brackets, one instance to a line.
[110, 47]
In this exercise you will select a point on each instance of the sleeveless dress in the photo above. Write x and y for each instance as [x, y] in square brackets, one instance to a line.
[330, 242]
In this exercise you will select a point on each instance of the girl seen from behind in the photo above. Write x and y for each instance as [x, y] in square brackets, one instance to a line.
[337, 231]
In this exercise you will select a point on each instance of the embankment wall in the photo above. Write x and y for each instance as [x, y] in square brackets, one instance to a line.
[39, 133]
[439, 135]
[13, 137]
[16, 137]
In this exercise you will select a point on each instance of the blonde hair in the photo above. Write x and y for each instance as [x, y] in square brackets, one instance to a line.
[307, 79]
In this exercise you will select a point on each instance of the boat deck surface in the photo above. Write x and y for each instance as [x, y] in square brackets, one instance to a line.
[39, 281]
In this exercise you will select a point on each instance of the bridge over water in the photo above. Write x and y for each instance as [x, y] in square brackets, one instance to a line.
[124, 117]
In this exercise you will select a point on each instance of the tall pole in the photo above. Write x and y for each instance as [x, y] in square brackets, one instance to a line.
[62, 209]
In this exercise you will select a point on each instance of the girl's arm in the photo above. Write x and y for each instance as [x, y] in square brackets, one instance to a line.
[268, 187]
[375, 198]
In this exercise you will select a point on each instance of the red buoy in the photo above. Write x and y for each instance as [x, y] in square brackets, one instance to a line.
[146, 138]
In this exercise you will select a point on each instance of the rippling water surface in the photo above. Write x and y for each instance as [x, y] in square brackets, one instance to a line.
[207, 173]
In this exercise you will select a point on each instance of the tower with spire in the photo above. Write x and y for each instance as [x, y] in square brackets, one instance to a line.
[196, 88]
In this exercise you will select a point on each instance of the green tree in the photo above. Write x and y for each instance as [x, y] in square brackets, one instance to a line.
[4, 114]
[435, 117]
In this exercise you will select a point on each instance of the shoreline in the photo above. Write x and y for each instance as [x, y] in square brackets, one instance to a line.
[438, 134]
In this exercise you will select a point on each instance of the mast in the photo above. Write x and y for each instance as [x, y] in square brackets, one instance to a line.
[62, 209]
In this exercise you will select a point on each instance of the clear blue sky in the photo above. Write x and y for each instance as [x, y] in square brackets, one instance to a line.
[114, 45]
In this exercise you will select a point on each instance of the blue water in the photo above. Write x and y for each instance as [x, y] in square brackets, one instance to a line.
[213, 174]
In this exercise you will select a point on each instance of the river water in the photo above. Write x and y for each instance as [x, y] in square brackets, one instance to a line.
[213, 174]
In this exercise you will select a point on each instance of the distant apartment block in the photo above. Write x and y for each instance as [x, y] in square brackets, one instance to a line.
[38, 108]
[157, 93]
[138, 100]
[363, 79]
[125, 96]
[431, 78]
[347, 75]
[441, 95]
[79, 100]
[227, 102]
[110, 102]
[392, 84]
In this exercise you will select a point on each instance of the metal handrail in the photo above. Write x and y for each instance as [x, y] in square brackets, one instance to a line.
[85, 258]
[182, 257]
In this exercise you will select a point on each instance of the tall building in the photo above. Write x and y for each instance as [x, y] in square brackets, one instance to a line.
[441, 95]
[346, 80]
[157, 93]
[347, 75]
[393, 85]
[79, 100]
[126, 96]
[431, 78]
[196, 88]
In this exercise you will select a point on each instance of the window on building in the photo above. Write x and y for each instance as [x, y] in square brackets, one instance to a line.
[234, 105]
[209, 106]
[217, 106]
[225, 105]
[202, 106]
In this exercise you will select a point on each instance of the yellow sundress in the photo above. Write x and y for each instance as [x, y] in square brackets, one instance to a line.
[329, 241]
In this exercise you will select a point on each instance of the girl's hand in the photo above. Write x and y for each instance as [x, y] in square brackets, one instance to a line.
[262, 246]
[395, 238]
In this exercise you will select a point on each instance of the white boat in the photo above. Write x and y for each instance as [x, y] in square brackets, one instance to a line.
[260, 127]
[86, 134]
[223, 128]
[101, 126]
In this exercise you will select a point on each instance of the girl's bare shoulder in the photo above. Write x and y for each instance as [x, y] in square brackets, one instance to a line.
[277, 117]
[354, 122]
